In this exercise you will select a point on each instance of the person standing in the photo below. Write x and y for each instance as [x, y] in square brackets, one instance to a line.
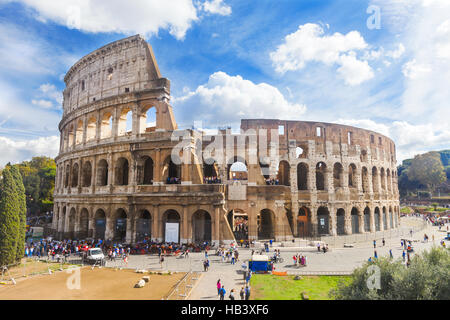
[390, 254]
[222, 293]
[375, 254]
[232, 294]
[384, 242]
[219, 286]
[242, 293]
[247, 293]
[374, 244]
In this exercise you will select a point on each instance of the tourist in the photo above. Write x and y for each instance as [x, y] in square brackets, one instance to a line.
[374, 244]
[231, 294]
[384, 242]
[222, 293]
[247, 292]
[242, 293]
[404, 255]
[219, 285]
[390, 254]
[375, 254]
[318, 247]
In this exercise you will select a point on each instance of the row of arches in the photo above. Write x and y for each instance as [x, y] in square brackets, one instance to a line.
[102, 126]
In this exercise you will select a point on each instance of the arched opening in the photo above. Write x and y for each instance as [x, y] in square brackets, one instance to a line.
[72, 218]
[79, 132]
[385, 225]
[100, 224]
[355, 220]
[304, 222]
[84, 224]
[367, 219]
[375, 186]
[320, 175]
[264, 164]
[148, 171]
[122, 171]
[389, 180]
[340, 221]
[266, 224]
[210, 171]
[63, 219]
[86, 175]
[120, 226]
[106, 126]
[143, 226]
[237, 169]
[201, 227]
[238, 221]
[125, 123]
[302, 176]
[284, 173]
[148, 119]
[75, 175]
[323, 218]
[365, 179]
[352, 182]
[377, 219]
[299, 153]
[383, 179]
[70, 135]
[172, 171]
[91, 129]
[102, 173]
[391, 218]
[67, 176]
[338, 172]
[171, 225]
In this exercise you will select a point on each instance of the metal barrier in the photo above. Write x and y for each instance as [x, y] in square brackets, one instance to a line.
[183, 288]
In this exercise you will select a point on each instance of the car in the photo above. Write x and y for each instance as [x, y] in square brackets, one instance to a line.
[94, 255]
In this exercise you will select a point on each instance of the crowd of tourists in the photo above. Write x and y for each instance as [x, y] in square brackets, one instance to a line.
[173, 180]
[272, 182]
[244, 293]
[212, 180]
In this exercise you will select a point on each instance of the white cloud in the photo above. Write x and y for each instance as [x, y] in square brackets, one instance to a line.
[43, 103]
[397, 53]
[15, 151]
[310, 44]
[226, 99]
[413, 70]
[50, 91]
[130, 17]
[217, 7]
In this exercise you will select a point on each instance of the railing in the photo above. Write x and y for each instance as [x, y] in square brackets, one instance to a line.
[183, 288]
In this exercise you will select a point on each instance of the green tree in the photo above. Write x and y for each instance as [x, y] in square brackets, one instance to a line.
[427, 169]
[9, 218]
[20, 189]
[427, 278]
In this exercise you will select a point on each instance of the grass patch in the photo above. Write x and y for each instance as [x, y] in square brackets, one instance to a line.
[270, 287]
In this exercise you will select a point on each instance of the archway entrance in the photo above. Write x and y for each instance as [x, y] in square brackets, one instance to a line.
[304, 222]
[84, 224]
[355, 220]
[100, 224]
[367, 219]
[238, 221]
[266, 224]
[143, 226]
[377, 219]
[171, 225]
[385, 224]
[201, 227]
[340, 221]
[323, 219]
[120, 226]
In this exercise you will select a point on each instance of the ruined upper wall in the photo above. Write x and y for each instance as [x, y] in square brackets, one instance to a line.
[126, 65]
[337, 134]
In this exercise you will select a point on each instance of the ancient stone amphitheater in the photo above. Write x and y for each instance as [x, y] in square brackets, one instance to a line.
[117, 178]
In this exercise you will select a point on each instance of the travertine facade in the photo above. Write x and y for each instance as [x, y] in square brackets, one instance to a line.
[116, 178]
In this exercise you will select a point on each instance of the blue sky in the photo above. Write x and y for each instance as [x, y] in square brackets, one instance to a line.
[227, 60]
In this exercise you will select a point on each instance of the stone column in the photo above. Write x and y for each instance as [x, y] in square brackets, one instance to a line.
[91, 226]
[110, 221]
[329, 180]
[85, 120]
[186, 232]
[98, 129]
[157, 174]
[311, 180]
[372, 220]
[333, 220]
[216, 235]
[361, 220]
[314, 220]
[156, 224]
[129, 234]
[252, 224]
[348, 220]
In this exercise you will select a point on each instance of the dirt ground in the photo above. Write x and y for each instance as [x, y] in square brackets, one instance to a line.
[97, 284]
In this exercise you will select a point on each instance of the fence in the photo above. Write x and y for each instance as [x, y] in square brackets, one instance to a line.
[32, 266]
[183, 287]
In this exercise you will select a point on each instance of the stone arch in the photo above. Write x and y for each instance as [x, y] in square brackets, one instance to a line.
[75, 170]
[148, 119]
[67, 176]
[385, 225]
[148, 170]
[355, 220]
[84, 224]
[144, 223]
[238, 221]
[266, 224]
[125, 122]
[389, 180]
[79, 132]
[106, 125]
[102, 173]
[340, 221]
[338, 173]
[302, 176]
[120, 225]
[170, 216]
[237, 169]
[365, 179]
[91, 129]
[352, 180]
[201, 227]
[99, 224]
[367, 219]
[391, 218]
[210, 169]
[383, 179]
[71, 224]
[377, 218]
[86, 175]
[62, 219]
[70, 135]
[321, 168]
[304, 222]
[323, 219]
[122, 172]
[375, 185]
[171, 171]
[283, 174]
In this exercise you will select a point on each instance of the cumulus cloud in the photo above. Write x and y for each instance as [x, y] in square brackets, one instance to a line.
[413, 70]
[135, 16]
[226, 99]
[310, 44]
[216, 7]
[15, 151]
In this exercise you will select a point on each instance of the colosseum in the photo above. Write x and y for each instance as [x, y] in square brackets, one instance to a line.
[118, 177]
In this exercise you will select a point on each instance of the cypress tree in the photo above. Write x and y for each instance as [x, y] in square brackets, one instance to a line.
[9, 218]
[20, 189]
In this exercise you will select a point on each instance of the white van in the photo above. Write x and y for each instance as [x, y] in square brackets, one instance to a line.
[94, 255]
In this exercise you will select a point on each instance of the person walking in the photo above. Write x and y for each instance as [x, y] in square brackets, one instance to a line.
[375, 254]
[390, 254]
[222, 293]
[232, 294]
[247, 293]
[403, 255]
[374, 244]
[219, 286]
[384, 242]
[242, 293]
